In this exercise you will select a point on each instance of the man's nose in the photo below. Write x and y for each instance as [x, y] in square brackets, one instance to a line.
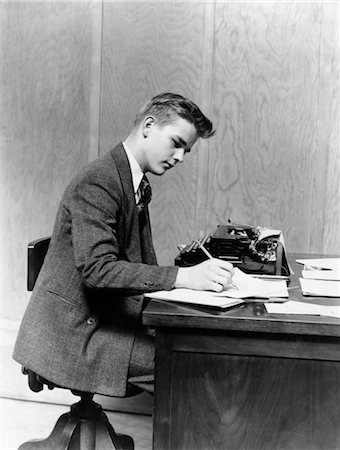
[179, 155]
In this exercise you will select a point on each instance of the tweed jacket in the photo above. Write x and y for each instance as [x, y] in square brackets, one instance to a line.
[85, 310]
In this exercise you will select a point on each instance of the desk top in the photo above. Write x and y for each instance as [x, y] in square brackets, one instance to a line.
[252, 316]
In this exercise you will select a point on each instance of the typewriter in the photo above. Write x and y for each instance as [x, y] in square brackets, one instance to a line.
[255, 250]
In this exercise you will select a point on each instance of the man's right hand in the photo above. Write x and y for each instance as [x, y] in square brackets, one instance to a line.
[211, 275]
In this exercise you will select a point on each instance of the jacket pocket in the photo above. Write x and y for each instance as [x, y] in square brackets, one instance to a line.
[62, 297]
[136, 298]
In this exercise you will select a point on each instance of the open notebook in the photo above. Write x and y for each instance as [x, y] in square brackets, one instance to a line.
[247, 287]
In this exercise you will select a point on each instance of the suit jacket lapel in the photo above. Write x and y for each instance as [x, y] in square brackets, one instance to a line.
[138, 240]
[123, 166]
[132, 243]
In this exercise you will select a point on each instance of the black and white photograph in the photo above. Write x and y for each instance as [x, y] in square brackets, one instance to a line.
[169, 225]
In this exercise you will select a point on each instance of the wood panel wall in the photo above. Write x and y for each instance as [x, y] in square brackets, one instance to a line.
[275, 97]
[49, 123]
[267, 75]
[150, 48]
[74, 73]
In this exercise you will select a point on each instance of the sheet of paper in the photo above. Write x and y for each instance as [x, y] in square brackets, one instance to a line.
[320, 288]
[321, 263]
[292, 307]
[321, 274]
[248, 286]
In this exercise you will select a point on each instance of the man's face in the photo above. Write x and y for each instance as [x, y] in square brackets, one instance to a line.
[166, 145]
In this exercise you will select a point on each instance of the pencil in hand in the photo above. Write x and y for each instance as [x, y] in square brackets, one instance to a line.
[232, 284]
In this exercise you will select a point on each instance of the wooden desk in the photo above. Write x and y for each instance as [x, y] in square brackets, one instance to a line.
[244, 379]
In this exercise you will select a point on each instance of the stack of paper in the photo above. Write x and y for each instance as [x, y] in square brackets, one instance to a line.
[292, 307]
[320, 277]
[245, 287]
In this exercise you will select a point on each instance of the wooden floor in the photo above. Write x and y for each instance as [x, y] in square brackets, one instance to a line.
[24, 420]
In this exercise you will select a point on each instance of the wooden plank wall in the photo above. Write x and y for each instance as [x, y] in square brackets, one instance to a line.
[74, 73]
[274, 94]
[267, 74]
[49, 123]
[147, 49]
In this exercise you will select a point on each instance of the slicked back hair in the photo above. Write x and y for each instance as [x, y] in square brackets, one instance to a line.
[167, 107]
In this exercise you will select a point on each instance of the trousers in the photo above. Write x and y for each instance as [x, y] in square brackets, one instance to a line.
[142, 363]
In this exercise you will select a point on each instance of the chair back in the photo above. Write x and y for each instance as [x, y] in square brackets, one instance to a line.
[36, 252]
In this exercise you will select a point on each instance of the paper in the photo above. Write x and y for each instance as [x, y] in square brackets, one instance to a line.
[320, 288]
[292, 307]
[247, 286]
[321, 263]
[320, 277]
[321, 274]
[190, 296]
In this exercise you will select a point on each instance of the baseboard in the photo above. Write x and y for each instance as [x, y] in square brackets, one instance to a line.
[14, 383]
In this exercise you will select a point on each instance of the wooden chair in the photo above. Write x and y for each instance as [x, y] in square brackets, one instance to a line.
[85, 426]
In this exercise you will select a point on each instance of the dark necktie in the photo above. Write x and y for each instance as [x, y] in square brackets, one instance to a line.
[144, 191]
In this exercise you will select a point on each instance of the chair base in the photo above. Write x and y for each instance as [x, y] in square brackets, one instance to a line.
[85, 427]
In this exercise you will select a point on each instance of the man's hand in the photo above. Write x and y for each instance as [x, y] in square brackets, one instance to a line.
[211, 275]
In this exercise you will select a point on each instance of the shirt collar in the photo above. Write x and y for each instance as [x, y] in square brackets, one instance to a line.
[136, 171]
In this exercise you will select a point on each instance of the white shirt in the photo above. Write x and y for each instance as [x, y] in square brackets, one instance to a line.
[136, 171]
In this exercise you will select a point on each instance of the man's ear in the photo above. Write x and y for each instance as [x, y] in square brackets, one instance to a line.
[147, 125]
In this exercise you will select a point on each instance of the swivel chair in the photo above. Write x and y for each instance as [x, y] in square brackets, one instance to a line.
[85, 426]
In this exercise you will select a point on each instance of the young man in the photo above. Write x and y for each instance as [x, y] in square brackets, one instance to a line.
[83, 326]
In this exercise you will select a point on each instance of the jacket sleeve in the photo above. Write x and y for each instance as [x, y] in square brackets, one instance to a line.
[94, 205]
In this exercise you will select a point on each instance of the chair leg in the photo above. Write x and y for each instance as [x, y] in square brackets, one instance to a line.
[126, 442]
[105, 432]
[86, 427]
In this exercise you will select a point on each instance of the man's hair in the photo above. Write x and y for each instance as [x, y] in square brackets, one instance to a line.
[166, 108]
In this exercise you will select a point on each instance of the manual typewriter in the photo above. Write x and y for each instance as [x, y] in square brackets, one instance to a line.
[255, 250]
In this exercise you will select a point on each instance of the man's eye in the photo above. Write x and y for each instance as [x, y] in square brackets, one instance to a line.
[176, 144]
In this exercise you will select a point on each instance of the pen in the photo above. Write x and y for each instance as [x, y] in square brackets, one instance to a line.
[232, 284]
